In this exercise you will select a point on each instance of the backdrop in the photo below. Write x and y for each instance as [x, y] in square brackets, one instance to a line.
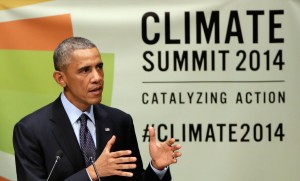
[220, 76]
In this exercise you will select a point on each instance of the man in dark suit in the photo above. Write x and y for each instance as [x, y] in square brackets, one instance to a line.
[85, 130]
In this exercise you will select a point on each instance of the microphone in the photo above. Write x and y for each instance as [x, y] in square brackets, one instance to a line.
[90, 157]
[59, 155]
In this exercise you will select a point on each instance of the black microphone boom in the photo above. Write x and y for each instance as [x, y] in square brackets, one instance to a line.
[59, 155]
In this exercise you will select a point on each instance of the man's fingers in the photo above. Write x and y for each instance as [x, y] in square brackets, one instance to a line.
[176, 147]
[123, 174]
[126, 166]
[121, 153]
[125, 160]
[177, 154]
[152, 135]
[171, 141]
[110, 143]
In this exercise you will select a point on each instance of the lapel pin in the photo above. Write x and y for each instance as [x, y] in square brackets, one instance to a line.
[107, 129]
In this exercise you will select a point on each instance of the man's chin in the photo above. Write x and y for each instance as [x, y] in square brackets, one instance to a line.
[96, 101]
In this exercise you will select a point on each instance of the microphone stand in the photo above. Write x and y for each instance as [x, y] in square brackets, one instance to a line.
[57, 159]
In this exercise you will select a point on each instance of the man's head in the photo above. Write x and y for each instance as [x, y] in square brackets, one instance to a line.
[64, 50]
[79, 70]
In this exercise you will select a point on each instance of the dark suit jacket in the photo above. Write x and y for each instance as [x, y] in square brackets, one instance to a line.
[38, 137]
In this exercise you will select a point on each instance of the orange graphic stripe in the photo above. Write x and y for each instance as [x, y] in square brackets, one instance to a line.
[3, 179]
[35, 34]
[9, 4]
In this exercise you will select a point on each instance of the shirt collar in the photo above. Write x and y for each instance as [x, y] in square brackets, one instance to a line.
[73, 112]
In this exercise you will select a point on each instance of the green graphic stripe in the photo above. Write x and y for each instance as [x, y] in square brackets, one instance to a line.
[108, 60]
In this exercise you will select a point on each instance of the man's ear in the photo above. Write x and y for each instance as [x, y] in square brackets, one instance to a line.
[59, 78]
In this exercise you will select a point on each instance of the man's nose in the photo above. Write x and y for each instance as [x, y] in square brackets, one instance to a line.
[97, 76]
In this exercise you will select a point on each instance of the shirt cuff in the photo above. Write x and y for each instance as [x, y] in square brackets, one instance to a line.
[159, 173]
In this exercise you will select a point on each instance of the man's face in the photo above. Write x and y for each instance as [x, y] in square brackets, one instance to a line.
[83, 78]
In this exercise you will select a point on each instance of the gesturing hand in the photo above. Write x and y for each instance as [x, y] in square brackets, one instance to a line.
[113, 163]
[162, 154]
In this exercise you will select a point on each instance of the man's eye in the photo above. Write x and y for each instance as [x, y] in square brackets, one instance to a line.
[100, 66]
[84, 70]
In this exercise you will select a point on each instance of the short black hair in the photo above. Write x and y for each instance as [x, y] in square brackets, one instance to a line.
[63, 51]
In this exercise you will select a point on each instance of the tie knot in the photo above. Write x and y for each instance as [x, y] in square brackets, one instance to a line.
[83, 119]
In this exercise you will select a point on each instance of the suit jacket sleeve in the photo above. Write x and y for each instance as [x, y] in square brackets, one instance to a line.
[29, 158]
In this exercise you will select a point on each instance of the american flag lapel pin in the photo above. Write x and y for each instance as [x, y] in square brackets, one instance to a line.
[107, 129]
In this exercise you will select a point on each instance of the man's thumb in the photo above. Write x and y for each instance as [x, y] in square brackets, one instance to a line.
[110, 143]
[152, 135]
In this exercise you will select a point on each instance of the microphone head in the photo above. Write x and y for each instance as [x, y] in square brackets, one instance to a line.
[59, 154]
[89, 154]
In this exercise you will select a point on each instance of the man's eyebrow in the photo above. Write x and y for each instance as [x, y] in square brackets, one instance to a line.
[83, 68]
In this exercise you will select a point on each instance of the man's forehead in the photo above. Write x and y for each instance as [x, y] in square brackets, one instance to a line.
[93, 50]
[86, 54]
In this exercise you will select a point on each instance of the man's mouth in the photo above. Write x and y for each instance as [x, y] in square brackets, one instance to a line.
[96, 90]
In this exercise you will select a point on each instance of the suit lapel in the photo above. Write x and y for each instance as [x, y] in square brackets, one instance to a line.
[65, 136]
[104, 129]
